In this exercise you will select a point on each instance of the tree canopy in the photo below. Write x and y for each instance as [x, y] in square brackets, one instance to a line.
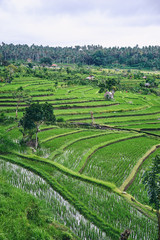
[152, 183]
[136, 57]
[33, 117]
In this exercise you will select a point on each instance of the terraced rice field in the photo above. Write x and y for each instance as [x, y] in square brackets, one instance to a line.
[84, 165]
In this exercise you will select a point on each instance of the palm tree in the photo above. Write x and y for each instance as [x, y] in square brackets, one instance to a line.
[152, 184]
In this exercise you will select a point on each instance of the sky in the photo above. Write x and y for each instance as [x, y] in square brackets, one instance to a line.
[108, 23]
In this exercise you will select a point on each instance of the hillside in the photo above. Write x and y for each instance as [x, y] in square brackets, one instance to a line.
[87, 171]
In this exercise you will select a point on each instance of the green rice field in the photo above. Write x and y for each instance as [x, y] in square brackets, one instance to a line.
[82, 168]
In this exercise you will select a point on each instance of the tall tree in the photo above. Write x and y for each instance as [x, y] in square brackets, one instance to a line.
[34, 116]
[46, 60]
[152, 184]
[21, 96]
[145, 57]
[10, 70]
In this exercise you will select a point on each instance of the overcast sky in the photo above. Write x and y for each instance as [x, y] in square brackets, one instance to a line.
[80, 22]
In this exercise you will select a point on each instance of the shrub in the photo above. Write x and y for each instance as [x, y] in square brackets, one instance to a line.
[101, 90]
[33, 212]
[60, 119]
[66, 236]
[6, 144]
[4, 119]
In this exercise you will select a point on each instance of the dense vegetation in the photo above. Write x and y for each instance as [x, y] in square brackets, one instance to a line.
[86, 169]
[136, 57]
[22, 216]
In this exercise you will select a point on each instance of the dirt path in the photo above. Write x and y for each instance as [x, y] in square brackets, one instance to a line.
[136, 168]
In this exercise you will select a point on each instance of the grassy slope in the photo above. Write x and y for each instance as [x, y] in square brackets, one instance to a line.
[23, 217]
[114, 164]
[129, 103]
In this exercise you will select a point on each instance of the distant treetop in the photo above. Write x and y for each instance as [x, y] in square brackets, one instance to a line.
[135, 57]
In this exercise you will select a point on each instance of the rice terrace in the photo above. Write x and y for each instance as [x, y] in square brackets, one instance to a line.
[76, 143]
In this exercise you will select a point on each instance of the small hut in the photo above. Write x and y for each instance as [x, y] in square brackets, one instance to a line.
[109, 95]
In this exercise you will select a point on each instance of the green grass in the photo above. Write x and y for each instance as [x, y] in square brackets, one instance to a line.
[105, 227]
[114, 163]
[154, 123]
[74, 154]
[15, 133]
[137, 189]
[148, 110]
[109, 206]
[154, 132]
[44, 135]
[101, 159]
[130, 119]
[112, 208]
[105, 109]
[22, 216]
[61, 140]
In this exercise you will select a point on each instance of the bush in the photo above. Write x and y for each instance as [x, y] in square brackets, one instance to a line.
[40, 234]
[33, 211]
[60, 119]
[101, 90]
[66, 236]
[2, 236]
[4, 119]
[6, 144]
[107, 98]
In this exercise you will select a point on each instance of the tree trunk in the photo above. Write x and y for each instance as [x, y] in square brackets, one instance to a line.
[92, 118]
[17, 111]
[37, 138]
[158, 216]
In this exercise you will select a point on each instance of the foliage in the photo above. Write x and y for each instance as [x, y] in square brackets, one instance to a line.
[6, 144]
[37, 113]
[74, 98]
[108, 84]
[21, 96]
[150, 86]
[33, 117]
[6, 119]
[81, 207]
[151, 181]
[25, 217]
[60, 119]
[118, 161]
[94, 194]
[46, 60]
[135, 57]
[7, 73]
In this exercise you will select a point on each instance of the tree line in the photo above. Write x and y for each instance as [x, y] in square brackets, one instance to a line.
[131, 57]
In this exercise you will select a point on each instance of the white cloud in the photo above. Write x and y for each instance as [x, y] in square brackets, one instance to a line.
[72, 22]
[20, 6]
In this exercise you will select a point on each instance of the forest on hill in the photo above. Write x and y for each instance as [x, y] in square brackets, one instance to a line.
[125, 57]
